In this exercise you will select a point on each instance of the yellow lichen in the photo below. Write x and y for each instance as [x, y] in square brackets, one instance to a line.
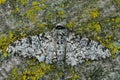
[94, 26]
[2, 1]
[114, 50]
[37, 73]
[35, 3]
[75, 75]
[60, 12]
[23, 2]
[95, 13]
[31, 15]
[117, 20]
[71, 24]
[34, 71]
[5, 40]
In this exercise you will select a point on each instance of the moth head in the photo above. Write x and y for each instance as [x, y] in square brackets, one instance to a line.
[60, 26]
[60, 29]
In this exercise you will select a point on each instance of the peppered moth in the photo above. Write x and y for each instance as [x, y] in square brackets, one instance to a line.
[59, 46]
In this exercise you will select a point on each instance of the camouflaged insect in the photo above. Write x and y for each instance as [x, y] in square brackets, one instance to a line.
[59, 46]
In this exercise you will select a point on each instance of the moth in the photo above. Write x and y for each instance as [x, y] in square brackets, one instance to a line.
[59, 46]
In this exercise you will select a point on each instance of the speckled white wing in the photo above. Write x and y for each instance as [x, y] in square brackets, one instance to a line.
[79, 49]
[32, 46]
[28, 47]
